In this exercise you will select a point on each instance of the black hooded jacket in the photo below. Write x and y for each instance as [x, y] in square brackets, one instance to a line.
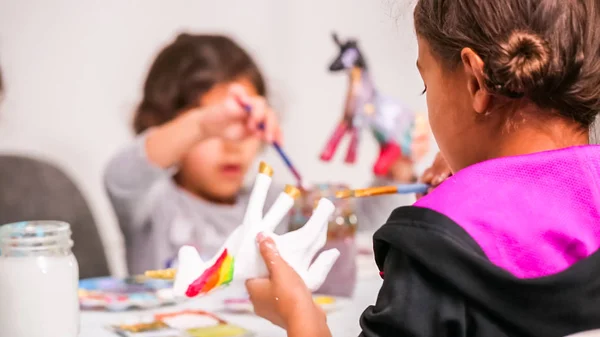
[437, 281]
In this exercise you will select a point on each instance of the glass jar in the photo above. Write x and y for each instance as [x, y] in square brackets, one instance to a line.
[38, 280]
[340, 234]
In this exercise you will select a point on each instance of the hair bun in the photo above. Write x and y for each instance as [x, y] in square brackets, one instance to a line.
[519, 66]
[183, 37]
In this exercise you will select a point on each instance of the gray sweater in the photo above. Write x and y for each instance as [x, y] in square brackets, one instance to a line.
[157, 217]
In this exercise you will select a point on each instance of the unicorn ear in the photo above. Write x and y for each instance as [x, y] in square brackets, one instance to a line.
[336, 39]
[314, 233]
[280, 208]
[318, 271]
[317, 226]
[315, 229]
[259, 194]
[190, 267]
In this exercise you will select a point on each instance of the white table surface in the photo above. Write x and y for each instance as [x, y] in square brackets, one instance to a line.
[343, 322]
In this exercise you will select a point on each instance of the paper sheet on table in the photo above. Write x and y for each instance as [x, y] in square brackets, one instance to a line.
[192, 323]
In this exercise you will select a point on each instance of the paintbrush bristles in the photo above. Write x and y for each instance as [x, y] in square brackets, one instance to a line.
[344, 194]
[164, 274]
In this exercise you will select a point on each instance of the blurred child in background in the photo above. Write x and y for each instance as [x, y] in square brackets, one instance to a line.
[181, 182]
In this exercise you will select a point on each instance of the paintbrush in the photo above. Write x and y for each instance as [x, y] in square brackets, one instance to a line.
[382, 190]
[277, 147]
[163, 274]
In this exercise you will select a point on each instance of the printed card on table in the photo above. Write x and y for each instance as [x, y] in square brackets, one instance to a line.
[186, 323]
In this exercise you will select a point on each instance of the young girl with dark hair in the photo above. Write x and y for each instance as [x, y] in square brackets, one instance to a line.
[180, 182]
[508, 245]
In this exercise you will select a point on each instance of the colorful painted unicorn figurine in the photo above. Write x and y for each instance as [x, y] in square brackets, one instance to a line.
[239, 259]
[392, 124]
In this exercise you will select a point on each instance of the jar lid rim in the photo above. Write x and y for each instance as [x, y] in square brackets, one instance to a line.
[39, 227]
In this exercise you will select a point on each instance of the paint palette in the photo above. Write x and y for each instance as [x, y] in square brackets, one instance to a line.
[243, 305]
[189, 323]
[111, 294]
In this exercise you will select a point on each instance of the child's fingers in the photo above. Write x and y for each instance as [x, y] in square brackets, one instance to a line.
[438, 179]
[269, 253]
[433, 178]
[264, 120]
[259, 290]
[427, 176]
[239, 102]
[271, 125]
[277, 267]
[258, 114]
[256, 111]
[234, 131]
[421, 195]
[238, 92]
[279, 135]
[233, 111]
[261, 296]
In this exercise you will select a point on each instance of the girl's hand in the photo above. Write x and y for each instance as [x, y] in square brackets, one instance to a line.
[436, 174]
[231, 119]
[402, 171]
[283, 298]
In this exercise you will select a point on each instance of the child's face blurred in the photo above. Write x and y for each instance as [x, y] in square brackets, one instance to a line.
[451, 104]
[215, 168]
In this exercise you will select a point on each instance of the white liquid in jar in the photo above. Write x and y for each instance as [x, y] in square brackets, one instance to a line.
[38, 296]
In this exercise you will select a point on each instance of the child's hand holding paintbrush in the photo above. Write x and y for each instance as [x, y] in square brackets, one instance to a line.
[220, 115]
[433, 176]
[232, 120]
[275, 141]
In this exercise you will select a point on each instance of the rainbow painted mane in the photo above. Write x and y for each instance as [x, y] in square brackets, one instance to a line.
[239, 259]
[217, 275]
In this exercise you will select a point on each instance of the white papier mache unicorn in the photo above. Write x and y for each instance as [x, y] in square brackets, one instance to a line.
[239, 259]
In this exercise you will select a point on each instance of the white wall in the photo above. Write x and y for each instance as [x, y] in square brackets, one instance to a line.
[74, 69]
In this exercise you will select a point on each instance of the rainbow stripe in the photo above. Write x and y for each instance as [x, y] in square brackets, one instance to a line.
[219, 274]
